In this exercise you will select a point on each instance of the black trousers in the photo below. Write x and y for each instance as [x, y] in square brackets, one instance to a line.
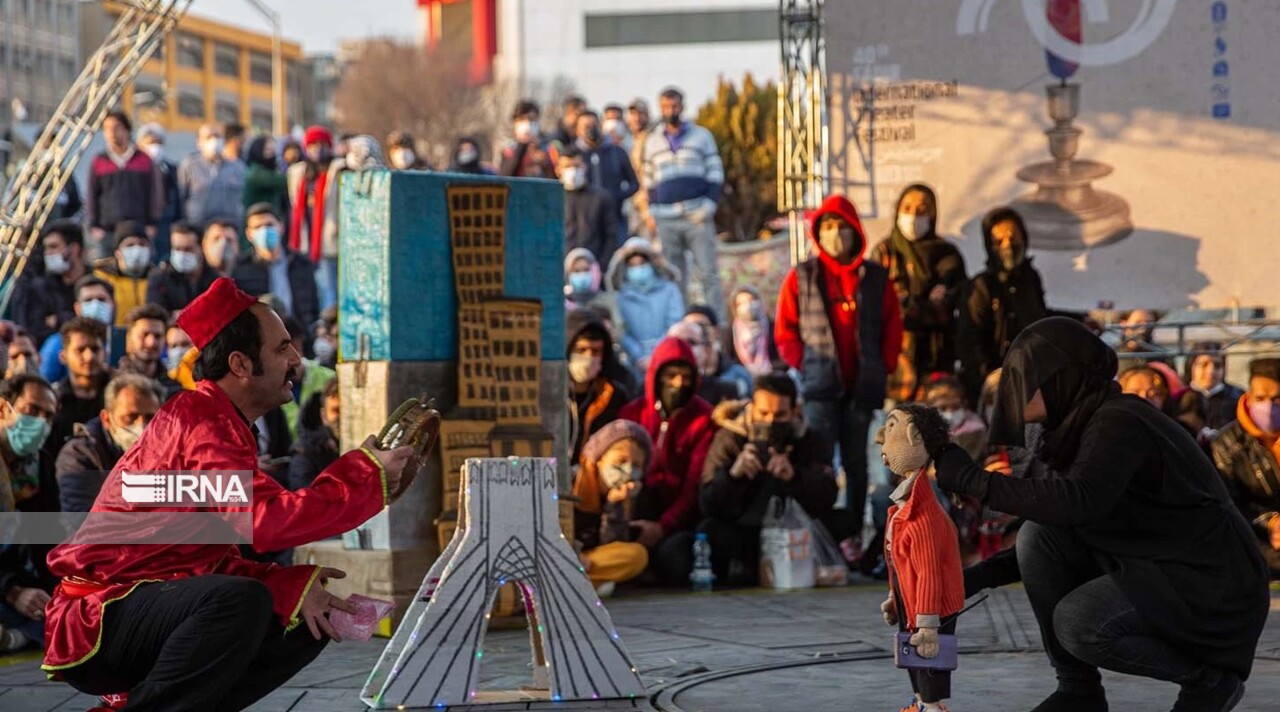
[200, 643]
[930, 685]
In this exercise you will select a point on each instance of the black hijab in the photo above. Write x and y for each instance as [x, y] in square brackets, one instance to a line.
[257, 154]
[911, 249]
[1075, 373]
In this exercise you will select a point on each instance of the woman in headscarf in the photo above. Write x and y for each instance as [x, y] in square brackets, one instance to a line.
[751, 333]
[264, 182]
[466, 158]
[928, 275]
[1133, 557]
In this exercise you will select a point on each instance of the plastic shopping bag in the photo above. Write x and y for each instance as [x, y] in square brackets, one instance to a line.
[786, 546]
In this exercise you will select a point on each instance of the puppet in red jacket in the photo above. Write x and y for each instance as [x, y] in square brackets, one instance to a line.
[681, 427]
[922, 548]
[206, 431]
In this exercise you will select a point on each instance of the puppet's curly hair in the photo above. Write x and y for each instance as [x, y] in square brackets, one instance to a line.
[930, 424]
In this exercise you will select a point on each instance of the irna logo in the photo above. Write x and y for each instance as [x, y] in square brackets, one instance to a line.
[202, 489]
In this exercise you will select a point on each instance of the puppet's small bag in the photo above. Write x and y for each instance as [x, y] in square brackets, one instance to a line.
[786, 546]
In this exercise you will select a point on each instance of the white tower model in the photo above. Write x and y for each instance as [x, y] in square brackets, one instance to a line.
[509, 531]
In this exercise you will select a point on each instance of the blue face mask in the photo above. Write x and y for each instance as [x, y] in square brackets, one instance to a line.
[97, 310]
[641, 275]
[266, 238]
[27, 435]
[580, 282]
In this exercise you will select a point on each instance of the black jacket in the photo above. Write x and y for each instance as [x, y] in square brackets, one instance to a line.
[996, 308]
[173, 290]
[744, 501]
[609, 168]
[83, 465]
[170, 387]
[315, 450]
[1250, 471]
[73, 411]
[23, 566]
[254, 277]
[1222, 406]
[589, 222]
[42, 305]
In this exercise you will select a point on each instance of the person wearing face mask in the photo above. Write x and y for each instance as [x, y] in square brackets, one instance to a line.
[711, 388]
[839, 326]
[151, 141]
[95, 300]
[763, 450]
[125, 185]
[128, 271]
[49, 301]
[607, 489]
[144, 347]
[180, 357]
[130, 402]
[264, 179]
[596, 393]
[929, 277]
[680, 424]
[584, 285]
[714, 362]
[222, 246]
[751, 334]
[211, 185]
[184, 276]
[272, 268]
[648, 299]
[683, 177]
[1206, 374]
[614, 125]
[313, 222]
[465, 158]
[28, 408]
[324, 338]
[588, 210]
[1247, 453]
[968, 430]
[526, 155]
[608, 168]
[402, 153]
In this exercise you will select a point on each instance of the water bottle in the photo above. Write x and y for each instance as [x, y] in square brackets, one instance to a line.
[701, 575]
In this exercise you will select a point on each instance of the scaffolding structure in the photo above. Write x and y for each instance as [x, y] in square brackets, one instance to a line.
[30, 196]
[802, 118]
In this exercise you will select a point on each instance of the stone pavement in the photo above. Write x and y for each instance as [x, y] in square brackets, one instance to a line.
[819, 650]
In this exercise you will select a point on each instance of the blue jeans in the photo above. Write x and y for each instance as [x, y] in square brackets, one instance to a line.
[694, 234]
[327, 282]
[846, 424]
[10, 618]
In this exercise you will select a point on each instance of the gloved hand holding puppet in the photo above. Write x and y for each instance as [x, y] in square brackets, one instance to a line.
[923, 552]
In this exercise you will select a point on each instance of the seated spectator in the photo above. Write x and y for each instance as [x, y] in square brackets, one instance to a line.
[584, 284]
[180, 357]
[649, 299]
[184, 277]
[1147, 383]
[1247, 453]
[324, 338]
[968, 430]
[25, 588]
[95, 300]
[27, 410]
[763, 450]
[1206, 374]
[23, 356]
[313, 380]
[129, 270]
[271, 268]
[715, 362]
[751, 334]
[712, 389]
[614, 463]
[143, 346]
[1191, 409]
[49, 300]
[221, 246]
[667, 507]
[595, 395]
[317, 448]
[1137, 336]
[80, 395]
[130, 402]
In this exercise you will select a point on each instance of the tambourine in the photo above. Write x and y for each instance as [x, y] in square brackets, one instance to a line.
[415, 423]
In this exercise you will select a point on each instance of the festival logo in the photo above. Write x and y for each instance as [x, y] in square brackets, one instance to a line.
[1151, 20]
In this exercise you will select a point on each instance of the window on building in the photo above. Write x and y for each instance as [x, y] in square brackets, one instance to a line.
[668, 28]
[68, 67]
[149, 95]
[67, 14]
[190, 50]
[226, 60]
[259, 68]
[226, 112]
[191, 104]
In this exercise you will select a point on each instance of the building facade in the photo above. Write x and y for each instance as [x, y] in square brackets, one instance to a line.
[39, 56]
[610, 51]
[205, 71]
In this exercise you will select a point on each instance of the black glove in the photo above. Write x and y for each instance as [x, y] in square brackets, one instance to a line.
[959, 474]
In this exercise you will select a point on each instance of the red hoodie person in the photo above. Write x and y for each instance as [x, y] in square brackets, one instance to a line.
[669, 494]
[839, 284]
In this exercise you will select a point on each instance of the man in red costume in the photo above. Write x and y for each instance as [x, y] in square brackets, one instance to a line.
[185, 626]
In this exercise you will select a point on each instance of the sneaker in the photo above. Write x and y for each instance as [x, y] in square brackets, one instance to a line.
[606, 589]
[114, 702]
[11, 640]
[915, 706]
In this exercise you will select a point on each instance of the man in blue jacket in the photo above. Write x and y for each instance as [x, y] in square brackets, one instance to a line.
[608, 168]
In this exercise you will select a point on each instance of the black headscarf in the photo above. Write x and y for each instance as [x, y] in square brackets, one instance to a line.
[995, 265]
[256, 154]
[911, 249]
[1074, 372]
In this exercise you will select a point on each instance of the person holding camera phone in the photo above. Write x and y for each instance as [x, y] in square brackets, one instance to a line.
[763, 450]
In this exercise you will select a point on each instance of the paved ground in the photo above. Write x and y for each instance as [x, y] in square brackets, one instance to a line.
[819, 650]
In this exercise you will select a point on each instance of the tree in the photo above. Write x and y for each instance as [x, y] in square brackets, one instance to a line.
[744, 124]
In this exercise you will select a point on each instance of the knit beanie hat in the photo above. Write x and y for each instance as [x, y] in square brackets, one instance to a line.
[613, 433]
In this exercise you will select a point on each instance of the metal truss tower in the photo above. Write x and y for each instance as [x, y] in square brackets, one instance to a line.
[802, 117]
[30, 196]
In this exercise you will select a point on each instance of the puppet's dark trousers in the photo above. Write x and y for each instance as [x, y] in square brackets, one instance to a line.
[195, 644]
[930, 685]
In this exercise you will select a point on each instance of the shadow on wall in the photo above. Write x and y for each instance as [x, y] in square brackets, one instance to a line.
[1150, 268]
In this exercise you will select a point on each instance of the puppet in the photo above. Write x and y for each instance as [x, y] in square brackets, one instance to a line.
[923, 552]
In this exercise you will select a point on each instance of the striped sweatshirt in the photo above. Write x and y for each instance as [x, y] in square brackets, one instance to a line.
[681, 171]
[923, 549]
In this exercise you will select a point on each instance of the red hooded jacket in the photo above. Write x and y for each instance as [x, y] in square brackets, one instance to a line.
[841, 282]
[680, 442]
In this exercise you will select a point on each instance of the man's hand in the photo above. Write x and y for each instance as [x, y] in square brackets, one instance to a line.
[650, 532]
[30, 602]
[1274, 527]
[889, 609]
[780, 466]
[926, 642]
[318, 602]
[393, 461]
[748, 463]
[938, 295]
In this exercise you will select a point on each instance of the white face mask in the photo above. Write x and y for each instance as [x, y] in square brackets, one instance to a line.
[526, 130]
[173, 358]
[584, 368]
[184, 262]
[126, 437]
[402, 158]
[614, 129]
[913, 227]
[136, 258]
[573, 178]
[467, 155]
[326, 352]
[155, 150]
[617, 475]
[211, 147]
[56, 264]
[97, 310]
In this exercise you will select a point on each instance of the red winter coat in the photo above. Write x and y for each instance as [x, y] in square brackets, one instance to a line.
[840, 282]
[201, 430]
[680, 443]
